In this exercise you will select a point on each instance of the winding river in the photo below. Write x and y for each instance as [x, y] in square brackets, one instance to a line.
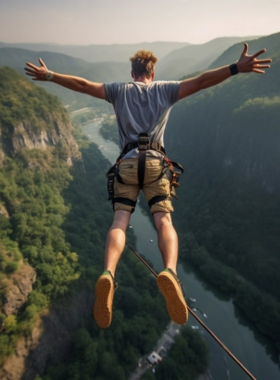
[216, 309]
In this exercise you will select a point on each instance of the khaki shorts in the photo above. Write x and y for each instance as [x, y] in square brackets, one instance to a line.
[154, 184]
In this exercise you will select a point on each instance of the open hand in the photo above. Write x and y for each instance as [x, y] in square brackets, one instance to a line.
[38, 73]
[248, 63]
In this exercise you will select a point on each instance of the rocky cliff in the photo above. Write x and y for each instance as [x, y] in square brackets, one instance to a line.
[53, 131]
[49, 340]
[30, 117]
[24, 135]
[20, 285]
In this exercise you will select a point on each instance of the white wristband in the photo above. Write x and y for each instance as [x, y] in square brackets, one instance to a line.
[49, 75]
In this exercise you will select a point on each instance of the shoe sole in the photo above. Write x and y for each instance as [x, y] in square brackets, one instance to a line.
[175, 301]
[102, 311]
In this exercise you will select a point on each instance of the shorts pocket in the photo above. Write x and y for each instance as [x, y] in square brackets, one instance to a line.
[128, 171]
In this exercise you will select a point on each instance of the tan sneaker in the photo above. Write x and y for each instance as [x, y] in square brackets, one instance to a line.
[170, 287]
[104, 295]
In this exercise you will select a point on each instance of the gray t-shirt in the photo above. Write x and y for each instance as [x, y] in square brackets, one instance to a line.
[142, 108]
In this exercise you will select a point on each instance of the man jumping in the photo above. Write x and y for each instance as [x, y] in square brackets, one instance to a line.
[142, 108]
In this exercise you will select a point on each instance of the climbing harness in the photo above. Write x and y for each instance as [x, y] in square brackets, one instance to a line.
[171, 168]
[199, 320]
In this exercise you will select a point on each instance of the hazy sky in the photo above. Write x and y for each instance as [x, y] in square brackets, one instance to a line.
[87, 22]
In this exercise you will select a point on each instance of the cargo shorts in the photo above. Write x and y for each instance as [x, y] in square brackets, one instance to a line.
[155, 184]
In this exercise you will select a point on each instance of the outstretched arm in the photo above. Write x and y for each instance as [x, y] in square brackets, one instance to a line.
[82, 85]
[245, 64]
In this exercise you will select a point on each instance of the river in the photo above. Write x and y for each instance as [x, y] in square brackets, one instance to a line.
[215, 308]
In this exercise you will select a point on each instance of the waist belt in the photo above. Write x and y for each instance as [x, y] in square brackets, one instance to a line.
[151, 145]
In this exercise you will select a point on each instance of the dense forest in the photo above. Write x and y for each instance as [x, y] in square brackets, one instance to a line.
[54, 218]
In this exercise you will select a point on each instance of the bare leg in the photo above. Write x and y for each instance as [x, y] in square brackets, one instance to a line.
[167, 239]
[168, 284]
[105, 287]
[115, 242]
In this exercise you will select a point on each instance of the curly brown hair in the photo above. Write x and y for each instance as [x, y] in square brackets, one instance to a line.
[143, 63]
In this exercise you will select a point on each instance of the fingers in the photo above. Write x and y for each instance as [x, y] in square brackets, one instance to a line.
[259, 65]
[259, 53]
[267, 60]
[262, 66]
[245, 50]
[31, 74]
[31, 65]
[258, 71]
[42, 63]
[28, 70]
[257, 68]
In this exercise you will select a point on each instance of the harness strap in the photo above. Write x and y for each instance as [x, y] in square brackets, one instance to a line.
[141, 167]
[124, 201]
[143, 145]
[110, 184]
[156, 199]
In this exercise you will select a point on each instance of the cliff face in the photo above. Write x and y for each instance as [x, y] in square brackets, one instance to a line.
[18, 288]
[53, 131]
[25, 137]
[49, 341]
[30, 117]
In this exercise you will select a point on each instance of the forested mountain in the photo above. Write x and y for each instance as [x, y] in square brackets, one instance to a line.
[101, 53]
[270, 43]
[99, 72]
[227, 138]
[193, 58]
[54, 217]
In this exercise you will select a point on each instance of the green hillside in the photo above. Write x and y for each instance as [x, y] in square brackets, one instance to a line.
[20, 100]
[270, 43]
[99, 72]
[227, 138]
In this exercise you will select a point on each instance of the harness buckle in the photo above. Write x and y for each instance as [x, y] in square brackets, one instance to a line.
[144, 141]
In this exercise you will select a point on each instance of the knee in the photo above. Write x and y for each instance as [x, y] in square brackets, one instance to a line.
[121, 220]
[162, 220]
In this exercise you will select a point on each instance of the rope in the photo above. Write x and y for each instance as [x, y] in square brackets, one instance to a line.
[199, 320]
